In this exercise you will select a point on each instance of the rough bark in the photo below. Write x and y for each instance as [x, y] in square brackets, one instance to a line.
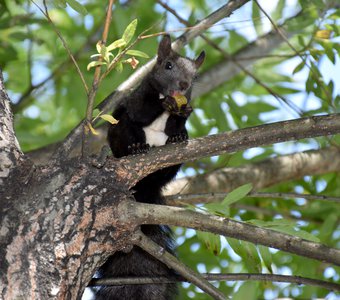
[57, 226]
[10, 152]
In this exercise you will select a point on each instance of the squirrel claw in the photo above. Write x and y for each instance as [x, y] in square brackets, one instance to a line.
[177, 138]
[138, 148]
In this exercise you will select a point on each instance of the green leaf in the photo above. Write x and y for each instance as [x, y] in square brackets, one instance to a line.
[266, 257]
[256, 18]
[252, 257]
[275, 223]
[130, 31]
[95, 112]
[323, 34]
[116, 44]
[329, 51]
[247, 252]
[217, 208]
[90, 127]
[299, 67]
[236, 246]
[237, 194]
[77, 7]
[211, 241]
[304, 235]
[109, 118]
[277, 14]
[285, 226]
[246, 291]
[137, 53]
[60, 3]
[102, 50]
[301, 41]
[95, 64]
[119, 67]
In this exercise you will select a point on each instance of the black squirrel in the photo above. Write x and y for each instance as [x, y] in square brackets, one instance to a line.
[150, 116]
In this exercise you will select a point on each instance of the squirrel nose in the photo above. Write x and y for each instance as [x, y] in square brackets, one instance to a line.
[183, 85]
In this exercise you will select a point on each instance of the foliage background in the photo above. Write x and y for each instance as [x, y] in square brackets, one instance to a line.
[49, 100]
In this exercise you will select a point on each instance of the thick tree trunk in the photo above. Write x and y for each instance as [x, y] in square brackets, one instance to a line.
[55, 228]
[10, 153]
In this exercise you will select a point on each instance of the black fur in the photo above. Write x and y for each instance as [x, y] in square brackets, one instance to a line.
[171, 74]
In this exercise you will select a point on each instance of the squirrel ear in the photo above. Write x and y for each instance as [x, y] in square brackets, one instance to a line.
[164, 48]
[200, 59]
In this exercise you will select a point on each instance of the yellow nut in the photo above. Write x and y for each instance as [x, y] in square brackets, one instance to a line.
[180, 100]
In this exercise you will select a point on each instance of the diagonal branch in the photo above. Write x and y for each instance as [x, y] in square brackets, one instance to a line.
[172, 262]
[158, 214]
[65, 45]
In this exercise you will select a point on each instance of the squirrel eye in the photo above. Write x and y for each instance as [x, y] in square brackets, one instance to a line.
[168, 65]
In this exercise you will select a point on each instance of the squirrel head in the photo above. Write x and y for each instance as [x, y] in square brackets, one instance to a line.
[173, 73]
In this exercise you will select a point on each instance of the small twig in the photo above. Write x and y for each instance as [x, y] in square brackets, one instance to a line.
[118, 57]
[45, 13]
[29, 50]
[171, 261]
[284, 213]
[210, 197]
[278, 56]
[331, 286]
[95, 83]
[24, 98]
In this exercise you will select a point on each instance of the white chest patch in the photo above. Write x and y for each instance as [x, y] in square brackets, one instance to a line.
[154, 133]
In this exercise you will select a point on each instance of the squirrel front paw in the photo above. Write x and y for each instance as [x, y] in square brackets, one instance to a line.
[138, 148]
[177, 138]
[170, 104]
[185, 110]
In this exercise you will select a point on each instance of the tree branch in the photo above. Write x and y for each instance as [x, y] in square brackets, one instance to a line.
[219, 277]
[229, 142]
[180, 199]
[156, 214]
[172, 262]
[261, 174]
